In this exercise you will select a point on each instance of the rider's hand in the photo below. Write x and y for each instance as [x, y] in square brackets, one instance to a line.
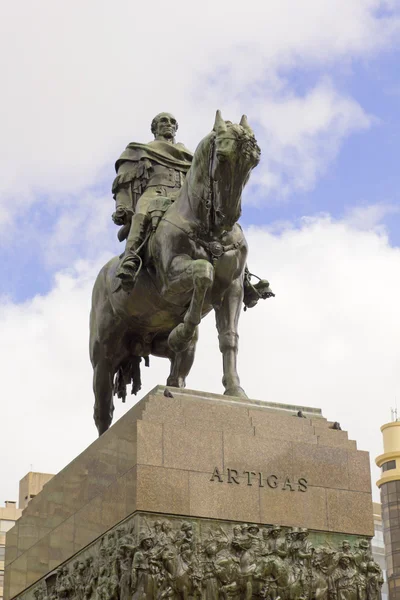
[120, 216]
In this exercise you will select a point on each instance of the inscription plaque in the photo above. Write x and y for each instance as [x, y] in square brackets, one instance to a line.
[257, 478]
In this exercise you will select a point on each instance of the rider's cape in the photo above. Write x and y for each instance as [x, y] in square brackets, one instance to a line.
[174, 156]
[140, 158]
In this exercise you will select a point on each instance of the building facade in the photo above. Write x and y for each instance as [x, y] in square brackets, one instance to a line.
[8, 515]
[29, 486]
[378, 546]
[389, 485]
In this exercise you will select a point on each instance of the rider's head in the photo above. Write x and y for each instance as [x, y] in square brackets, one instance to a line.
[164, 127]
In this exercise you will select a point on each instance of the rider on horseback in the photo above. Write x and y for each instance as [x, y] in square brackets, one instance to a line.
[146, 174]
[150, 177]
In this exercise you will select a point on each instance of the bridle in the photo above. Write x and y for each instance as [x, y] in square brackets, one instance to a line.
[214, 248]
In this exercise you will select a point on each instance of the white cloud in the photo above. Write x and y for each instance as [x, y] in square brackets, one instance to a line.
[80, 80]
[304, 135]
[370, 216]
[329, 339]
[82, 228]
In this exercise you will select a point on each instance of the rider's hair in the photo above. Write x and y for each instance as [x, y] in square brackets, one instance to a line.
[155, 121]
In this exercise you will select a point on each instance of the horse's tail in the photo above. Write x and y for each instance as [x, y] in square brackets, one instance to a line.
[129, 373]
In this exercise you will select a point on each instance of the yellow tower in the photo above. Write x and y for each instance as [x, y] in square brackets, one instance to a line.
[389, 484]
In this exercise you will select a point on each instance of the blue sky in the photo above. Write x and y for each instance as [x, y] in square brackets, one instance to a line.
[364, 172]
[320, 83]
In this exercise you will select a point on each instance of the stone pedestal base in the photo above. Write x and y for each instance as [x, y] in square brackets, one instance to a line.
[183, 471]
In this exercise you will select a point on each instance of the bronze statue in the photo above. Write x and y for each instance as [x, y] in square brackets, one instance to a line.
[178, 560]
[147, 175]
[185, 255]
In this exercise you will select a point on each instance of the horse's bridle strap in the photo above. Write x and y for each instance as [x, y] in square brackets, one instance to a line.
[214, 248]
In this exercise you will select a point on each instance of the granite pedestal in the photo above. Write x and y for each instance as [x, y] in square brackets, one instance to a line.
[197, 460]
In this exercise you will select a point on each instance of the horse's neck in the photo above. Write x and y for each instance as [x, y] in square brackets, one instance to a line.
[191, 202]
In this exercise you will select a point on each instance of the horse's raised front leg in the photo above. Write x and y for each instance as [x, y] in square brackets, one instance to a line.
[197, 275]
[181, 362]
[227, 317]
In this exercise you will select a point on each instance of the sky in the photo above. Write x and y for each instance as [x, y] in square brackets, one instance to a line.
[320, 83]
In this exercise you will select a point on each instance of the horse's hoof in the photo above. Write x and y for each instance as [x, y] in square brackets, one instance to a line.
[178, 341]
[178, 382]
[235, 391]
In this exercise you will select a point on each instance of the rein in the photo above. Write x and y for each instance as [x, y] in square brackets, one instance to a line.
[215, 249]
[208, 201]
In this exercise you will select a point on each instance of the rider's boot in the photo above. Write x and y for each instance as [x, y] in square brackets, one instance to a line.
[129, 265]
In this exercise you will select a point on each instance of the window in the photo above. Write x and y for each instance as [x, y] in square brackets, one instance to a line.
[389, 465]
[6, 525]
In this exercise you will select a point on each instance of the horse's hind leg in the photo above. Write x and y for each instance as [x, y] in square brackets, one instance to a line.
[103, 336]
[103, 392]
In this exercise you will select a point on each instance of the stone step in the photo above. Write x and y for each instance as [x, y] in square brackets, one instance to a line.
[188, 395]
[223, 415]
[334, 438]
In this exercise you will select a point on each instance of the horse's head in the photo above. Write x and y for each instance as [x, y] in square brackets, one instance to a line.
[220, 169]
[234, 153]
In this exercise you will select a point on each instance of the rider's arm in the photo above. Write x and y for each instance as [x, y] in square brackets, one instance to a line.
[122, 192]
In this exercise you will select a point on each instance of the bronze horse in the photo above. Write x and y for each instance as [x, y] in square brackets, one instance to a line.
[194, 262]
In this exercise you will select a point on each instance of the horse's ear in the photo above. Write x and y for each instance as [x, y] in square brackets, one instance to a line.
[244, 123]
[219, 125]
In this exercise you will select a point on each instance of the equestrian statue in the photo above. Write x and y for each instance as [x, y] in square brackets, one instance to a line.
[185, 255]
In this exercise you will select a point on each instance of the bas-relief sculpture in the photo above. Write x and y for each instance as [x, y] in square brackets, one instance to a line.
[185, 255]
[153, 558]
